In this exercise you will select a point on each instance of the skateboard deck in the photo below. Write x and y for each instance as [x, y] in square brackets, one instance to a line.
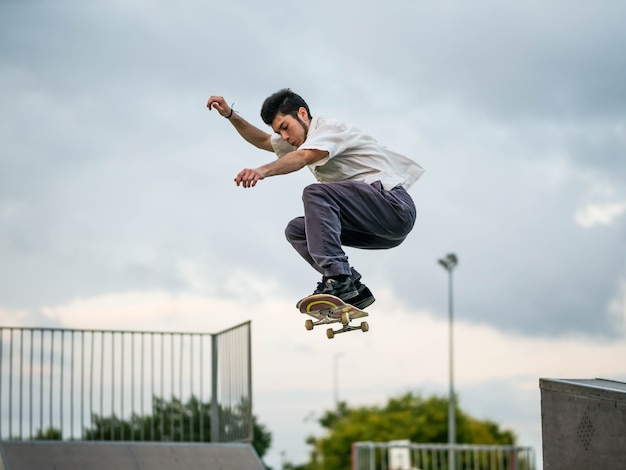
[327, 309]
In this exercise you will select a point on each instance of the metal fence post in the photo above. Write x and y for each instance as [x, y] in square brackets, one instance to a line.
[215, 429]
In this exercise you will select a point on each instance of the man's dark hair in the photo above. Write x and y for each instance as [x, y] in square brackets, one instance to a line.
[284, 102]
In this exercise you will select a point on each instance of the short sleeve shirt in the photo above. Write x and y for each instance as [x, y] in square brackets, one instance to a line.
[352, 155]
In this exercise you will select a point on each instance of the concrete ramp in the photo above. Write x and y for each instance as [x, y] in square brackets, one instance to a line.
[58, 455]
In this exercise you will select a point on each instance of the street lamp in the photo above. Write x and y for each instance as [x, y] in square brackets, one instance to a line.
[448, 263]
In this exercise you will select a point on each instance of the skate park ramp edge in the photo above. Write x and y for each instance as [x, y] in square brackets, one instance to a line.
[74, 455]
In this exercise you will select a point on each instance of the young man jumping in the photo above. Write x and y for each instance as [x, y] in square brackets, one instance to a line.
[360, 199]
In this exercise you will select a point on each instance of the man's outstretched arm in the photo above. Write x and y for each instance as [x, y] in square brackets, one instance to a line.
[293, 161]
[250, 133]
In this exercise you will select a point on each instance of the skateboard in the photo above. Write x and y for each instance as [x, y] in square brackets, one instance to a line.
[327, 309]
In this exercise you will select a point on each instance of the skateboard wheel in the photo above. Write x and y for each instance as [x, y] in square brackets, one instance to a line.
[364, 326]
[308, 325]
[330, 333]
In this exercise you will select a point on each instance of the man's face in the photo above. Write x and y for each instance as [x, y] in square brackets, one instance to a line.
[292, 129]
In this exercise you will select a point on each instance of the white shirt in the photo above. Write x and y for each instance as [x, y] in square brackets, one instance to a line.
[352, 155]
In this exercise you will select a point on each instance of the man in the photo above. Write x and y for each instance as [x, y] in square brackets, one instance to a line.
[360, 199]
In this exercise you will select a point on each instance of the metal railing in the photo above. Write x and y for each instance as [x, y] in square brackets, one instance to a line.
[125, 385]
[406, 456]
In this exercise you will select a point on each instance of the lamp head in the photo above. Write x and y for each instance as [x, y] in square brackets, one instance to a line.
[449, 262]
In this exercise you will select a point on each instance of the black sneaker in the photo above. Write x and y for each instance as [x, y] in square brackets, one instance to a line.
[345, 290]
[365, 297]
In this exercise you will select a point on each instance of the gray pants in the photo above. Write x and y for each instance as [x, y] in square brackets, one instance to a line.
[349, 213]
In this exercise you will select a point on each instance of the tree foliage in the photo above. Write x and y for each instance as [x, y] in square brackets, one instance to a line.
[174, 421]
[410, 416]
[50, 434]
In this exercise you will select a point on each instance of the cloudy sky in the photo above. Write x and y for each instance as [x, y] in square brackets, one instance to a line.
[117, 193]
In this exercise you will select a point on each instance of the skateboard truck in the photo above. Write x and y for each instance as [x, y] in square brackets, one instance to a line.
[327, 317]
[330, 333]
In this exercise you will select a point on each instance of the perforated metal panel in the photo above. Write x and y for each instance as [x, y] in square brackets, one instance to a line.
[583, 423]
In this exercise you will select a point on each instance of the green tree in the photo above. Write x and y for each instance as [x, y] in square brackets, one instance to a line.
[175, 421]
[50, 434]
[410, 416]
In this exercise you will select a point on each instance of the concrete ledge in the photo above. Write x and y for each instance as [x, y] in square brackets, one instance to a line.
[61, 455]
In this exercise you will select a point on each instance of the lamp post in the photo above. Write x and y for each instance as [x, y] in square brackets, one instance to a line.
[448, 263]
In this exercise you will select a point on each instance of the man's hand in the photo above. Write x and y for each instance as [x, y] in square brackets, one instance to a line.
[249, 177]
[219, 103]
[293, 161]
[251, 134]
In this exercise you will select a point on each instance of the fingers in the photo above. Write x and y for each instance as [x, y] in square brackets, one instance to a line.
[246, 181]
[215, 101]
[218, 103]
[248, 178]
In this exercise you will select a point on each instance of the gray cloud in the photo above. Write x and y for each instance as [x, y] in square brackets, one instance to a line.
[115, 179]
[113, 172]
